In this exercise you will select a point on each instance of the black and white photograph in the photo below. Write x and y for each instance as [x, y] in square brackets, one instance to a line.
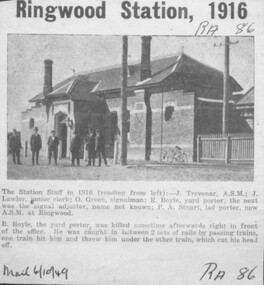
[132, 151]
[130, 107]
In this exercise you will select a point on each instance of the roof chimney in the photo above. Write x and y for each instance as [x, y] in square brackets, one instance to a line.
[145, 68]
[47, 77]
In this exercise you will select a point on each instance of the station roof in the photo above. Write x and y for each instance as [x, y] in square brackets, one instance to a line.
[247, 98]
[87, 85]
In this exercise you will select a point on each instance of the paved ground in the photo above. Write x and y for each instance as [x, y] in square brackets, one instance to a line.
[135, 170]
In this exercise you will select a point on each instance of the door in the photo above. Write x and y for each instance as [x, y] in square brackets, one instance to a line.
[61, 131]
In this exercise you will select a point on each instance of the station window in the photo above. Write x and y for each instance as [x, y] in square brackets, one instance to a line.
[31, 123]
[168, 112]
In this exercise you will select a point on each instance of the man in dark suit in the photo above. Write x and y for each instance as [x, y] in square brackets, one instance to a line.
[15, 146]
[100, 147]
[35, 144]
[90, 147]
[53, 143]
[75, 148]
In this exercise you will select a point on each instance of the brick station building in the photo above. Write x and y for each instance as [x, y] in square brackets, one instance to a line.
[170, 101]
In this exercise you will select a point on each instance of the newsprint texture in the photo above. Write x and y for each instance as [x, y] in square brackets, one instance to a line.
[132, 149]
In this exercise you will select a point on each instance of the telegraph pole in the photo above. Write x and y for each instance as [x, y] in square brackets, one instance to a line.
[124, 101]
[226, 89]
[226, 85]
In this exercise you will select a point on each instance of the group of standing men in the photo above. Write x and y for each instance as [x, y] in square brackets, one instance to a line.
[14, 144]
[95, 145]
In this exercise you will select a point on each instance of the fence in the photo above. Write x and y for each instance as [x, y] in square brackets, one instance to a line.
[233, 148]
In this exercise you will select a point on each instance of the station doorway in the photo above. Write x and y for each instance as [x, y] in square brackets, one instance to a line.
[61, 131]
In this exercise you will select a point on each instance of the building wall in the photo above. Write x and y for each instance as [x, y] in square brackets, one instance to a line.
[172, 123]
[177, 119]
[176, 129]
[80, 116]
[72, 115]
[45, 124]
[61, 112]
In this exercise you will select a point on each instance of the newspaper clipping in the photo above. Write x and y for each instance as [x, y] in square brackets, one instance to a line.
[132, 151]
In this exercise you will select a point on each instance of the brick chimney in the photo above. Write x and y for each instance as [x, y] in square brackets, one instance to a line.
[47, 77]
[145, 68]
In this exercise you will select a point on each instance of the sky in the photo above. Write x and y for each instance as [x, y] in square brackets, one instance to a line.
[26, 54]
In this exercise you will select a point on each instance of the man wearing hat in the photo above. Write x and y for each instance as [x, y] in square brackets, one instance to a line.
[75, 148]
[100, 147]
[90, 147]
[53, 143]
[35, 144]
[15, 146]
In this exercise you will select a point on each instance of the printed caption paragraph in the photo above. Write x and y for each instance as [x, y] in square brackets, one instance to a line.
[54, 216]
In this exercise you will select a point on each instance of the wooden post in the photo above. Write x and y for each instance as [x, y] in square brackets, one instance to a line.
[26, 148]
[85, 152]
[199, 149]
[228, 149]
[124, 102]
[161, 123]
[148, 125]
[116, 151]
[145, 73]
[226, 89]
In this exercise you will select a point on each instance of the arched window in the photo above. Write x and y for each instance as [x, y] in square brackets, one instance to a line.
[31, 123]
[168, 112]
